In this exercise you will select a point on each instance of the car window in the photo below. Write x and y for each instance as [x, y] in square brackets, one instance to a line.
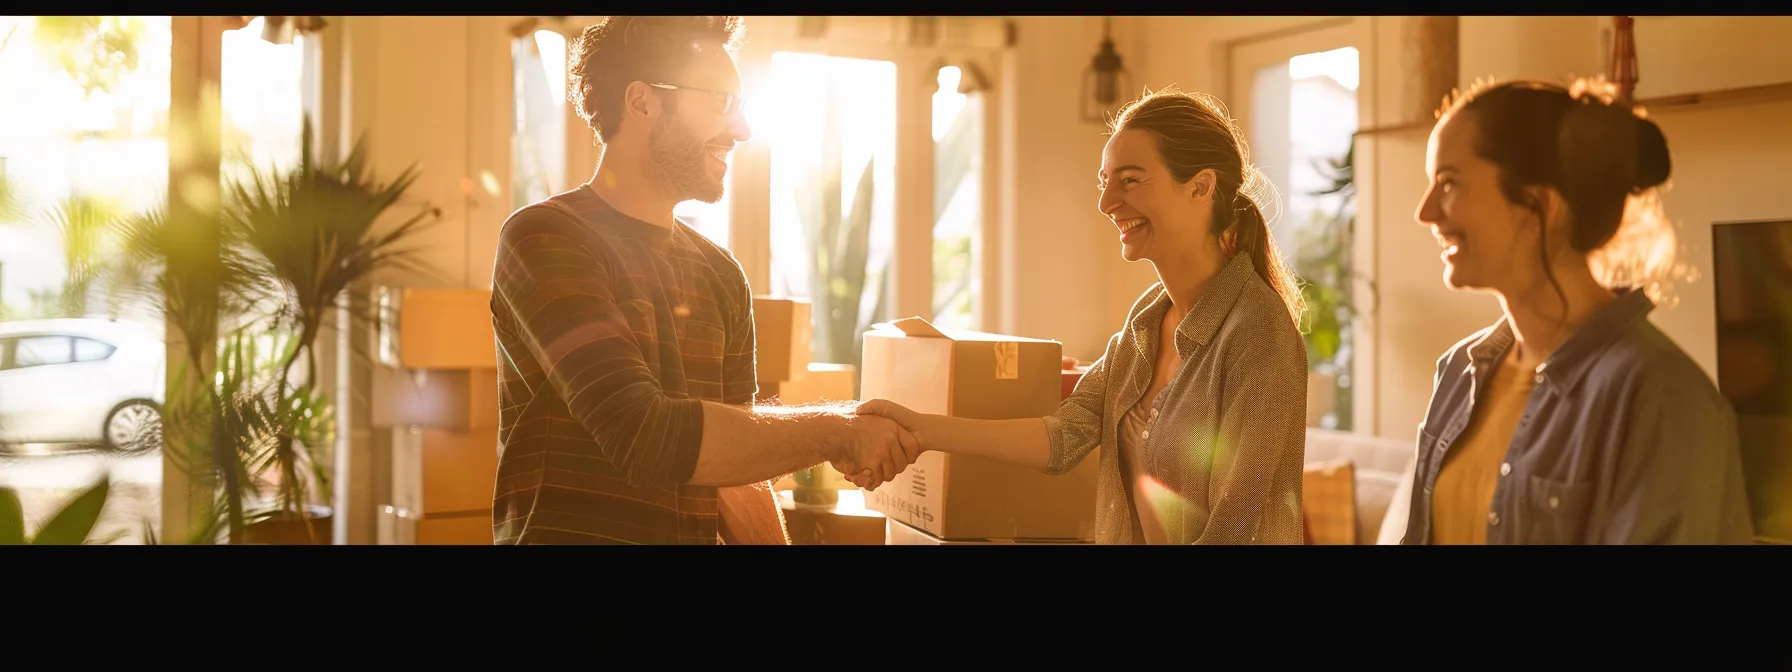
[42, 351]
[89, 350]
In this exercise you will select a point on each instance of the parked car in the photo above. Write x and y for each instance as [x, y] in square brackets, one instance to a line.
[90, 381]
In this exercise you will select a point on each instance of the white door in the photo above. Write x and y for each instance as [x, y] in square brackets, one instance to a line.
[1295, 98]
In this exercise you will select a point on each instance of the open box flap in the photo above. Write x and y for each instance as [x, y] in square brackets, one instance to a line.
[912, 326]
[916, 327]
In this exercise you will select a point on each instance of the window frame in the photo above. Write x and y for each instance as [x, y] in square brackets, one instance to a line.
[917, 68]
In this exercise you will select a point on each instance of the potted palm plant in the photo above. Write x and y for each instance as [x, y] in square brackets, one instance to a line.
[315, 229]
[291, 242]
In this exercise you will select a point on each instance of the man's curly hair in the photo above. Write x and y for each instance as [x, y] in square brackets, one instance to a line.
[623, 49]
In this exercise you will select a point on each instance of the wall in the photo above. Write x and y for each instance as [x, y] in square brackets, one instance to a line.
[1068, 281]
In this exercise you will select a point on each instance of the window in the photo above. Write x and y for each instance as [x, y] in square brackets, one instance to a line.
[89, 350]
[1298, 106]
[832, 127]
[85, 149]
[259, 85]
[538, 138]
[42, 351]
[957, 200]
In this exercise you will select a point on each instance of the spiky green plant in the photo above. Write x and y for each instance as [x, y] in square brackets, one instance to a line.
[1323, 261]
[71, 525]
[839, 242]
[316, 227]
[294, 239]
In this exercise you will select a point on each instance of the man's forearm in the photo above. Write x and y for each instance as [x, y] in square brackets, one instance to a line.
[742, 446]
[1022, 441]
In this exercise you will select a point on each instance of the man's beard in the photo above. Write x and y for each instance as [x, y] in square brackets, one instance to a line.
[676, 162]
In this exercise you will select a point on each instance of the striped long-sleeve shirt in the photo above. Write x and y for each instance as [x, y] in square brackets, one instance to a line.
[610, 333]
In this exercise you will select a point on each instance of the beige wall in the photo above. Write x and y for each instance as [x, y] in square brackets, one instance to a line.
[1067, 280]
[1728, 160]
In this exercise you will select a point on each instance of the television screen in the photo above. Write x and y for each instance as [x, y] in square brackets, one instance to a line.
[1753, 268]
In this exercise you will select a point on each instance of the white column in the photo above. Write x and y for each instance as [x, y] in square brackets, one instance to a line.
[193, 195]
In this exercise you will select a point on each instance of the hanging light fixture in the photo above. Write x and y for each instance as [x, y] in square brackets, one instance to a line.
[1623, 64]
[1105, 79]
[277, 29]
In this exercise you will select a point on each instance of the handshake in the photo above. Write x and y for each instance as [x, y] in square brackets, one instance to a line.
[881, 442]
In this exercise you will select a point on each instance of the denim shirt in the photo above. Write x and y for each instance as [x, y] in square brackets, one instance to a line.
[1624, 440]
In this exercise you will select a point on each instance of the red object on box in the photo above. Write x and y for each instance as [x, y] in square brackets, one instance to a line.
[1070, 378]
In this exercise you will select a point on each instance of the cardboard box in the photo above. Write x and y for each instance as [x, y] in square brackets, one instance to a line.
[900, 534]
[982, 376]
[820, 383]
[438, 471]
[781, 330]
[847, 522]
[465, 530]
[457, 399]
[423, 328]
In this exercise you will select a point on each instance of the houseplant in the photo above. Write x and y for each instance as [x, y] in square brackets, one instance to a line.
[291, 241]
[1324, 262]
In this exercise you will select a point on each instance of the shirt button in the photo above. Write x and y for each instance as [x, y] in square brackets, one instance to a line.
[1555, 502]
[1493, 518]
[1505, 468]
[1153, 412]
[1538, 379]
[1145, 434]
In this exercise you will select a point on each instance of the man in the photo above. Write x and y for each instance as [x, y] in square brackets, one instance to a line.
[625, 339]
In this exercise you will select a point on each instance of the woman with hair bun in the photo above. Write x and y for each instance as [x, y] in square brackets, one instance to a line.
[1571, 420]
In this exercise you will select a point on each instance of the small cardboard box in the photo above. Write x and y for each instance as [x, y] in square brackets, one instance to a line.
[458, 399]
[820, 383]
[981, 376]
[467, 530]
[436, 471]
[423, 328]
[781, 330]
[846, 523]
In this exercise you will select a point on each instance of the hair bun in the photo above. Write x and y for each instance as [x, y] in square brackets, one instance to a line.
[1653, 165]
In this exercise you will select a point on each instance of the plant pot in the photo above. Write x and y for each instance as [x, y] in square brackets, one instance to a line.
[817, 486]
[288, 529]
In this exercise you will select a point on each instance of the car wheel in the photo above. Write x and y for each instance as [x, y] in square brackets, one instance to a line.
[133, 427]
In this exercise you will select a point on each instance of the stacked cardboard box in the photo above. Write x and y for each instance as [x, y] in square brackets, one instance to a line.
[781, 332]
[983, 376]
[435, 392]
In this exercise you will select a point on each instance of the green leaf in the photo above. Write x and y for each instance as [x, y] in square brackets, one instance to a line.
[12, 519]
[74, 523]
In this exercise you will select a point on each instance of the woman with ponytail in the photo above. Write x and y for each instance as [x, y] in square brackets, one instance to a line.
[1572, 420]
[1200, 398]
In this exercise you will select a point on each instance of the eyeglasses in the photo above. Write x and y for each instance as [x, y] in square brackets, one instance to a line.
[731, 102]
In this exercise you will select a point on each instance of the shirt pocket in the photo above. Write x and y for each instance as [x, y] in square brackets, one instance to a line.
[1554, 512]
[702, 341]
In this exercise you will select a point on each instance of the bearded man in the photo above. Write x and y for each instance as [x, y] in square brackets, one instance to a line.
[626, 356]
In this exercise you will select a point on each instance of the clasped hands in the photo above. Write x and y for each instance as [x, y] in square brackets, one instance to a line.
[880, 444]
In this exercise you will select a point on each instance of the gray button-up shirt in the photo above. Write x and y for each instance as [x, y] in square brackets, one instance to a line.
[1227, 439]
[1625, 440]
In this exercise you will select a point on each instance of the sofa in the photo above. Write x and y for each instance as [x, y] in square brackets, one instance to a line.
[1359, 481]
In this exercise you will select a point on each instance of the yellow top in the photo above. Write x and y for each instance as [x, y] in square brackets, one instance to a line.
[1463, 496]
